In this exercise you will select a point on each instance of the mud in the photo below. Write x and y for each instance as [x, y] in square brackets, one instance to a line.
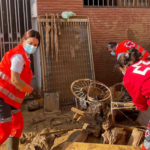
[42, 130]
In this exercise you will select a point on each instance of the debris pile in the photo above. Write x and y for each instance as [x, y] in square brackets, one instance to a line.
[41, 131]
[98, 107]
[40, 141]
[95, 115]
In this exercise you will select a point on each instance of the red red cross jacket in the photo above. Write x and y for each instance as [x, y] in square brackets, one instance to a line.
[137, 82]
[127, 44]
[8, 92]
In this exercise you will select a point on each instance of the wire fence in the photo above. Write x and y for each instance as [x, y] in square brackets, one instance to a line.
[66, 54]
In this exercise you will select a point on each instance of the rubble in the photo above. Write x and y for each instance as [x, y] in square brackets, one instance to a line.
[115, 136]
[136, 137]
[57, 131]
[96, 95]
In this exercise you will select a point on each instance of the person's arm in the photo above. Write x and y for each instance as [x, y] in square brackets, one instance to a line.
[19, 83]
[138, 98]
[140, 103]
[17, 64]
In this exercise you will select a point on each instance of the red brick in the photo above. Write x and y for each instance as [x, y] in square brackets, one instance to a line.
[107, 24]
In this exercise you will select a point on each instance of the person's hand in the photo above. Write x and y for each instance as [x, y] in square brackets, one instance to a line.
[28, 89]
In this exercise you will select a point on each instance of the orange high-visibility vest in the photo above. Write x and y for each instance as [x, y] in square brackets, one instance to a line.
[8, 91]
[127, 44]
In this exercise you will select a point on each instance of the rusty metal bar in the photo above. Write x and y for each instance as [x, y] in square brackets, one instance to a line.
[117, 3]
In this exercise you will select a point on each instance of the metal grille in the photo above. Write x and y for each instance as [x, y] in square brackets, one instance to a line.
[15, 20]
[66, 54]
[116, 3]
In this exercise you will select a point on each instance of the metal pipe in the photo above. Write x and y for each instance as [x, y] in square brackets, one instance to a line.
[90, 51]
[10, 33]
[24, 14]
[88, 2]
[2, 30]
[26, 7]
[1, 16]
[16, 19]
[8, 22]
[107, 2]
[18, 15]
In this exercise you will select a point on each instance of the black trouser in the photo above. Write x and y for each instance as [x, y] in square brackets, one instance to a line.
[5, 110]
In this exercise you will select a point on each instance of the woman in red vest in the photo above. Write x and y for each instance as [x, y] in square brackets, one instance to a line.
[137, 82]
[117, 49]
[15, 79]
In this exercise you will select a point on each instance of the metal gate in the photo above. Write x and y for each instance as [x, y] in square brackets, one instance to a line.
[15, 20]
[66, 55]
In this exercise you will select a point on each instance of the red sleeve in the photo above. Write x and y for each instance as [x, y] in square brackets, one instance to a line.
[145, 89]
[140, 104]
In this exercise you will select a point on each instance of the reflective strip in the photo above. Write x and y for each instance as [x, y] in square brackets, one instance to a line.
[5, 77]
[15, 111]
[138, 47]
[10, 95]
[6, 92]
[143, 52]
[3, 120]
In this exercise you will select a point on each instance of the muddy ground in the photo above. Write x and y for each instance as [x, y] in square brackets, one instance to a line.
[39, 126]
[49, 131]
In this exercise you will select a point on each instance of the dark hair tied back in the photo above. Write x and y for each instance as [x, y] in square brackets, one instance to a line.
[130, 57]
[31, 34]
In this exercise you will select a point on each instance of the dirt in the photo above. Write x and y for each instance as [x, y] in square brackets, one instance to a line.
[42, 130]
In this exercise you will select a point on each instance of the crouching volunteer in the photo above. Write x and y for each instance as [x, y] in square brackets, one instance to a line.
[15, 78]
[117, 49]
[137, 82]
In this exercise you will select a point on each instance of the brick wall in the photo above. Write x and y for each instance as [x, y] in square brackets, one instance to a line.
[107, 24]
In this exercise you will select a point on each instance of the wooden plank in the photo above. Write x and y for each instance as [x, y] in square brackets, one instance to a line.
[62, 20]
[43, 65]
[75, 110]
[92, 146]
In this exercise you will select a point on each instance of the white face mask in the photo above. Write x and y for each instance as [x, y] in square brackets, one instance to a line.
[113, 53]
[30, 49]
